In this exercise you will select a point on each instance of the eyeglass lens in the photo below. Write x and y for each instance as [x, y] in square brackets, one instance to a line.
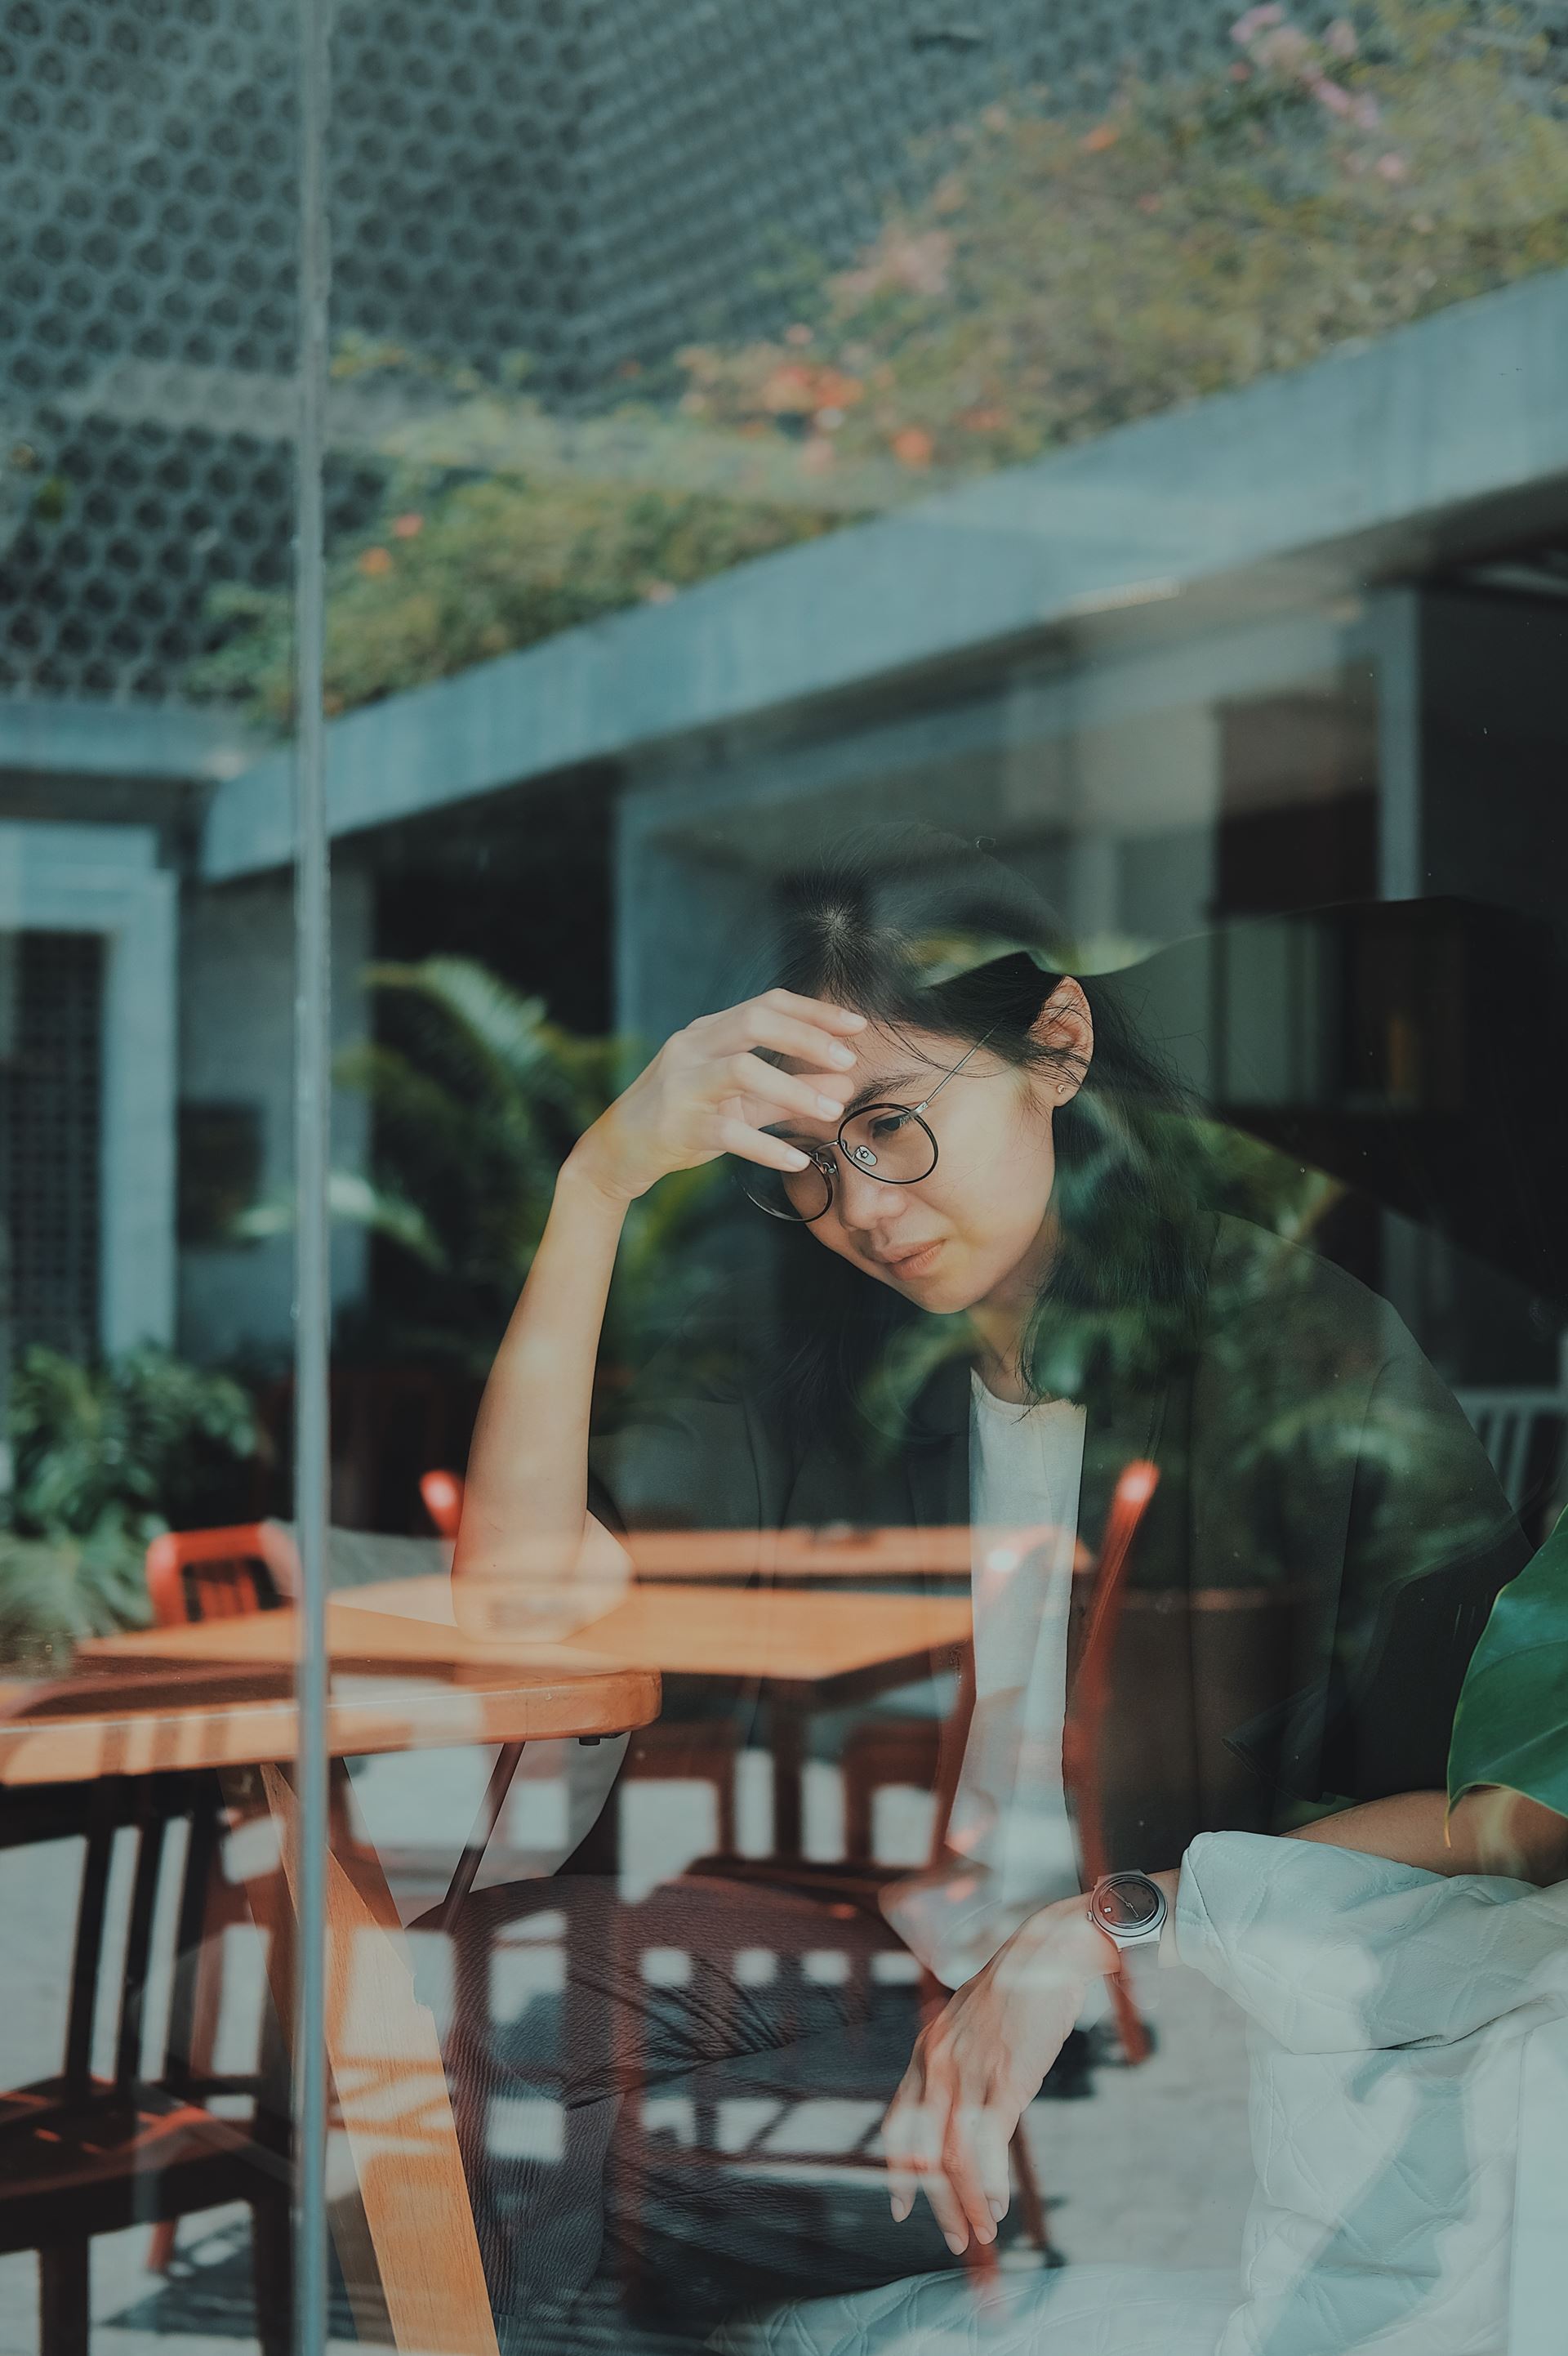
[888, 1142]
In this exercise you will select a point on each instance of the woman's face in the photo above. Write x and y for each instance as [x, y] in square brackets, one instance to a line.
[979, 1223]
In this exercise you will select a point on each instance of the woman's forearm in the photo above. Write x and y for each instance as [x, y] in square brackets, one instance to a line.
[524, 1507]
[1490, 1831]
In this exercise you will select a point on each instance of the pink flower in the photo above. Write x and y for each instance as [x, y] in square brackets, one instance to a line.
[408, 527]
[1369, 113]
[1339, 40]
[1287, 51]
[1334, 96]
[1255, 20]
[1393, 167]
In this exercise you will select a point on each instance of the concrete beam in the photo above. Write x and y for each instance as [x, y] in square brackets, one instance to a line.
[42, 736]
[1337, 469]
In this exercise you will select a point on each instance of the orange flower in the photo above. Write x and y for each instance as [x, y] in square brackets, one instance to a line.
[912, 446]
[790, 391]
[375, 562]
[1104, 134]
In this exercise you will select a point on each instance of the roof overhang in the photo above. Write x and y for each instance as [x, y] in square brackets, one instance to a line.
[1380, 462]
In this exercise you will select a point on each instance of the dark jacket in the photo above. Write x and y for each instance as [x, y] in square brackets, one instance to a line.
[1304, 1594]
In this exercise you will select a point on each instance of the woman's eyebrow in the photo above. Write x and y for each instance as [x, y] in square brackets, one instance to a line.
[876, 1091]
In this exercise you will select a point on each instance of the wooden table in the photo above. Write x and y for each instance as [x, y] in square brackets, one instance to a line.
[804, 1648]
[182, 1705]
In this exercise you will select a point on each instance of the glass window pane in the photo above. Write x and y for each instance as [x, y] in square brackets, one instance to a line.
[1003, 564]
[147, 1179]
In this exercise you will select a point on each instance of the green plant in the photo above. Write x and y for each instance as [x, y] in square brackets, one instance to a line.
[1511, 1726]
[477, 1101]
[105, 1457]
[1063, 276]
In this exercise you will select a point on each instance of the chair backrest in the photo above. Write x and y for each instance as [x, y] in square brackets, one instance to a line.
[1092, 1686]
[1086, 1707]
[442, 1496]
[220, 1574]
[1523, 1432]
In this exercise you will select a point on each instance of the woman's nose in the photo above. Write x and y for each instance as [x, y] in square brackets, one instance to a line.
[865, 1205]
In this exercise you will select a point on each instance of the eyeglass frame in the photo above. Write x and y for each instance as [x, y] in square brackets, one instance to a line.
[828, 1173]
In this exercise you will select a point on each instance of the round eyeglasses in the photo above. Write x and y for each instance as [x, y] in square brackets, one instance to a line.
[889, 1142]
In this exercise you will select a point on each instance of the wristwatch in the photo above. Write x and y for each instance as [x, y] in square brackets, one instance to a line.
[1129, 1908]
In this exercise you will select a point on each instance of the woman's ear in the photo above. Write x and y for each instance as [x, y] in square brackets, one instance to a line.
[1065, 1025]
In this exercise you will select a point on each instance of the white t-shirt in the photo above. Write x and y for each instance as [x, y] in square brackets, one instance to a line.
[1011, 1823]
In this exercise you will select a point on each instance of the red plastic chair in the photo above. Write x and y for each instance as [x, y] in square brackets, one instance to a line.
[442, 1496]
[1086, 1712]
[220, 1574]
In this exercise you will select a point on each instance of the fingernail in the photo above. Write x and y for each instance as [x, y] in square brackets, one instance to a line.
[844, 1056]
[998, 2208]
[828, 1104]
[901, 2211]
[797, 1161]
[958, 2243]
[985, 2233]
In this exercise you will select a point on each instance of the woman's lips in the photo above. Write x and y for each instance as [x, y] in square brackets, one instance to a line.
[914, 1263]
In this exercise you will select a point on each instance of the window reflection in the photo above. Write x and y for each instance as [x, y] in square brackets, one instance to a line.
[1043, 541]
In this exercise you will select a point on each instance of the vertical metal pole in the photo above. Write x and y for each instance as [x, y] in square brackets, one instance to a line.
[313, 1304]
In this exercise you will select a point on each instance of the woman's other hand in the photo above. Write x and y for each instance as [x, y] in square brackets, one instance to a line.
[709, 1091]
[977, 2067]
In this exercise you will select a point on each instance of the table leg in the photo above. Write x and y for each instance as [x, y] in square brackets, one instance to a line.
[389, 2083]
[787, 1731]
[508, 1761]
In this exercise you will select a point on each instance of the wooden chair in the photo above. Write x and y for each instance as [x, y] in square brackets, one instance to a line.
[214, 1574]
[1525, 1434]
[881, 1754]
[82, 2154]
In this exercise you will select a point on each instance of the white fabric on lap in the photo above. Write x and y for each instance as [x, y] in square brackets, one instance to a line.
[1392, 2018]
[1078, 2311]
[1391, 2011]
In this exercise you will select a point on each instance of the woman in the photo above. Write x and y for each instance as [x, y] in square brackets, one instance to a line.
[1003, 1276]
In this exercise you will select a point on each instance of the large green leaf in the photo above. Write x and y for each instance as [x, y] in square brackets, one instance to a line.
[1511, 1726]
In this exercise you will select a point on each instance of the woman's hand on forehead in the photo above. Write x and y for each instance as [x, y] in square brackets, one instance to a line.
[721, 1085]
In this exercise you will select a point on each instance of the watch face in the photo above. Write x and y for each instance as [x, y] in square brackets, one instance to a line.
[1127, 1901]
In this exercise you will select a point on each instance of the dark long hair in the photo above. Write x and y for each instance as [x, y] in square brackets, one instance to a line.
[918, 930]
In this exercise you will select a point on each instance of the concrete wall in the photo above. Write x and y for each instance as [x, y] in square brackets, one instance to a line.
[237, 1013]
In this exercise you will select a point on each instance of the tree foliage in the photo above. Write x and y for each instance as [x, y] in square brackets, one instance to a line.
[1064, 275]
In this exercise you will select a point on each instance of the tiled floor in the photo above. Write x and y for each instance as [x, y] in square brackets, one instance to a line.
[1151, 2167]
